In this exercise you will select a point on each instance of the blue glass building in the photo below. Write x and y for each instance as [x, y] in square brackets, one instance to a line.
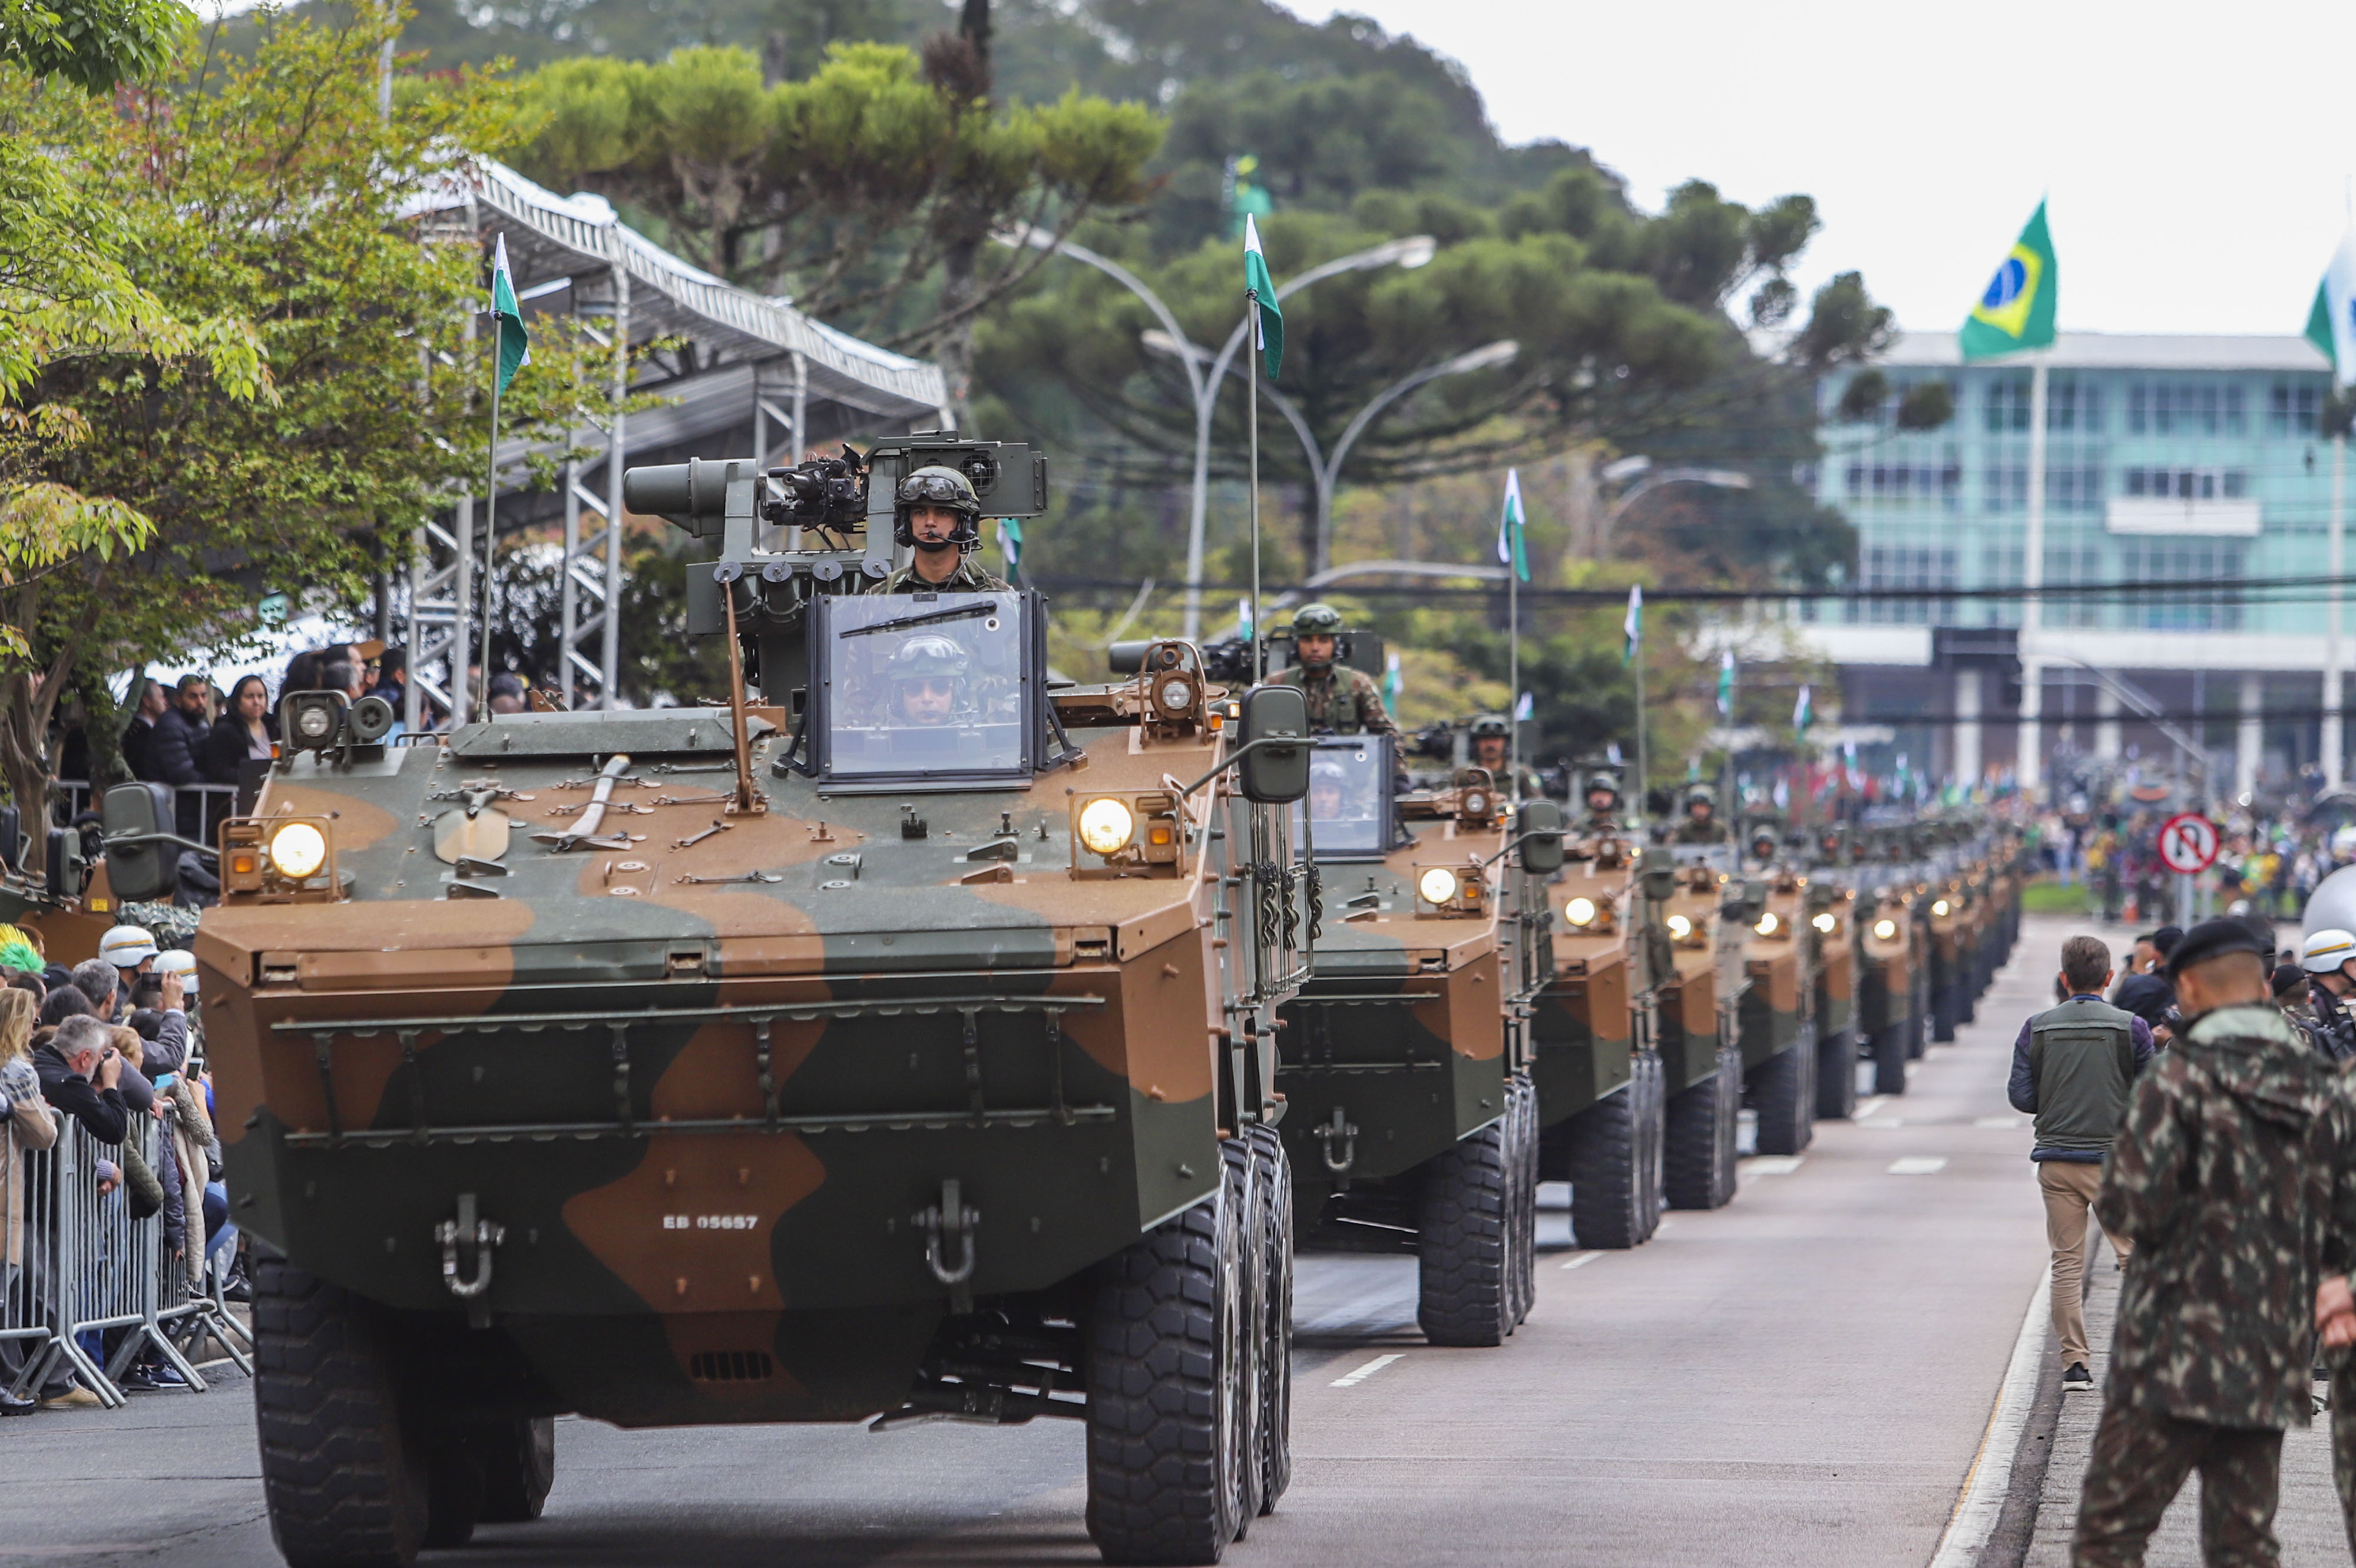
[2189, 463]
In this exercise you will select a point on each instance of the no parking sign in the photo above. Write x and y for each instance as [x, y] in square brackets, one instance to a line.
[2188, 842]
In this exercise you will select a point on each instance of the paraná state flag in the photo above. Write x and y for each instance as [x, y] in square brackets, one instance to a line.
[1633, 625]
[1262, 289]
[1726, 682]
[2331, 323]
[1804, 711]
[515, 343]
[1510, 551]
[2016, 309]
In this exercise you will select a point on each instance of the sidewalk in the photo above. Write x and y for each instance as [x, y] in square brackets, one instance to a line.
[2308, 1520]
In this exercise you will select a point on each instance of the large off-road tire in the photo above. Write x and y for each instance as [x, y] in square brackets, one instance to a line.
[1616, 1164]
[1165, 1363]
[1837, 1075]
[1890, 1054]
[1918, 1022]
[1276, 1318]
[1240, 1162]
[1697, 1156]
[1522, 1114]
[453, 1489]
[1784, 1088]
[341, 1473]
[1462, 1243]
[518, 1467]
[1944, 1009]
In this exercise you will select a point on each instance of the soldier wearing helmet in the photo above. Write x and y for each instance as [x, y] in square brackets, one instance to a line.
[935, 513]
[1341, 701]
[1492, 736]
[1329, 791]
[1701, 824]
[928, 676]
[1602, 805]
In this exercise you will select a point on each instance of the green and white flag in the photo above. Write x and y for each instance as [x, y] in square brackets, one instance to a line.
[2331, 323]
[2016, 309]
[515, 343]
[1010, 546]
[1726, 682]
[1804, 711]
[1510, 551]
[1263, 289]
[1633, 625]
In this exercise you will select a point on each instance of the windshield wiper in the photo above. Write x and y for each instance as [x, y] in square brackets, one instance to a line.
[929, 618]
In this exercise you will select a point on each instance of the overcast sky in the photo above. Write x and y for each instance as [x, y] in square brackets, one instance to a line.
[2197, 157]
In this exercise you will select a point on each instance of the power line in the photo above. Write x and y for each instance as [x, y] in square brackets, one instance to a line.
[2225, 593]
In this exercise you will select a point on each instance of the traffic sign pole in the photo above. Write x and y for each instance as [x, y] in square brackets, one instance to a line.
[2188, 847]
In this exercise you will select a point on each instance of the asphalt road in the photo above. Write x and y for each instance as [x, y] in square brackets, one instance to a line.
[1801, 1378]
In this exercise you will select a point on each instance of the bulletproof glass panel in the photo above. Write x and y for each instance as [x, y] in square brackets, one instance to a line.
[920, 687]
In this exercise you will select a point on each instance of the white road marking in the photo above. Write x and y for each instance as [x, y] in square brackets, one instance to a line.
[1352, 1379]
[1997, 1122]
[1576, 1259]
[1773, 1165]
[1990, 1476]
[1869, 1106]
[1919, 1164]
[1883, 1123]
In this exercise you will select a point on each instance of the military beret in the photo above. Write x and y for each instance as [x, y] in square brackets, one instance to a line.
[2215, 938]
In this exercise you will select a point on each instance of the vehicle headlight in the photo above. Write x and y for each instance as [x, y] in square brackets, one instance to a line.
[314, 722]
[1768, 924]
[1437, 885]
[1885, 930]
[1177, 695]
[1679, 927]
[1579, 911]
[1826, 922]
[298, 850]
[1939, 907]
[1106, 826]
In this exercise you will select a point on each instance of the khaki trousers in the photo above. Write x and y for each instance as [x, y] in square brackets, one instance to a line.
[2069, 1188]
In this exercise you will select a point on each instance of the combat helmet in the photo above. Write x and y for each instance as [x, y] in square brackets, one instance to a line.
[1314, 620]
[1491, 727]
[1701, 795]
[1599, 780]
[935, 485]
[930, 656]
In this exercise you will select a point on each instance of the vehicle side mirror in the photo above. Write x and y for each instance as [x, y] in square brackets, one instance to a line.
[1659, 871]
[65, 863]
[1539, 827]
[139, 873]
[1275, 775]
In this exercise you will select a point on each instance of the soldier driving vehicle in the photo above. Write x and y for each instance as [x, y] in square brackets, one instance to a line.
[895, 1043]
[1342, 700]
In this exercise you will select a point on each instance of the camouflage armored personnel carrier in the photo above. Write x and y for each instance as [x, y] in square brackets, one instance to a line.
[1412, 1120]
[1778, 1012]
[1699, 1009]
[896, 1043]
[1595, 1036]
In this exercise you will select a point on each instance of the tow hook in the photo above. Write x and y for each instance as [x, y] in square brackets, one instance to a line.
[1339, 1130]
[468, 1234]
[950, 1219]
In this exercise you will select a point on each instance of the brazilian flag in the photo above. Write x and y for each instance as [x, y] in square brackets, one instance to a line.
[2017, 310]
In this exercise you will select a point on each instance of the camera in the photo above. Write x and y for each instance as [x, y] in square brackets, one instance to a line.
[826, 492]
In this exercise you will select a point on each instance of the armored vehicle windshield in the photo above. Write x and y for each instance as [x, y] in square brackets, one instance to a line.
[1350, 811]
[927, 688]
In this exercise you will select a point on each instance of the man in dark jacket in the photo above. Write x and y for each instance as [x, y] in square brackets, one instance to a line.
[2071, 1067]
[2235, 1171]
[175, 754]
[78, 1076]
[140, 733]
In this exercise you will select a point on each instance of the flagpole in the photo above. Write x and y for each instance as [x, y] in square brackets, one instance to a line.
[2029, 765]
[490, 526]
[1643, 769]
[1258, 643]
[2334, 730]
[1514, 674]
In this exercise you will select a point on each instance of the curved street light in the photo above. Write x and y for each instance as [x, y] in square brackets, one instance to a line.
[1411, 251]
[1326, 471]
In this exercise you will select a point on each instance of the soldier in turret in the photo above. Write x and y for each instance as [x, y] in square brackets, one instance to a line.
[1492, 736]
[1602, 807]
[1341, 701]
[1701, 824]
[935, 513]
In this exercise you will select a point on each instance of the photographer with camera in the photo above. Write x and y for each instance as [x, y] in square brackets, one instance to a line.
[935, 513]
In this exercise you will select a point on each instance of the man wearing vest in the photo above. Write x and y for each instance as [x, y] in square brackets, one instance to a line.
[2071, 1067]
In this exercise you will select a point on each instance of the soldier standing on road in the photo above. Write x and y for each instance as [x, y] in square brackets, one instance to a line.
[1341, 701]
[935, 513]
[2234, 1169]
[2071, 1068]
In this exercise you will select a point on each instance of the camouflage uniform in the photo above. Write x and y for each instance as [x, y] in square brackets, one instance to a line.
[1342, 701]
[2228, 1175]
[1691, 832]
[968, 578]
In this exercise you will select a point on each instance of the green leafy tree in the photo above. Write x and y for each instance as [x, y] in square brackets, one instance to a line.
[291, 390]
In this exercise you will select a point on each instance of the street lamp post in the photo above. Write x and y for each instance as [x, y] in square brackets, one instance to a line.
[1413, 251]
[1325, 470]
[1647, 481]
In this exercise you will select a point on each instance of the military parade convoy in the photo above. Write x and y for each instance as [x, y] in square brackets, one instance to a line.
[915, 1034]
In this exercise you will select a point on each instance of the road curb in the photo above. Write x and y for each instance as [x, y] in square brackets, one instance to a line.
[1989, 1482]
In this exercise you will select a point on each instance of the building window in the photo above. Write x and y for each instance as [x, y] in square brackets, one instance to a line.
[1897, 483]
[2075, 487]
[2188, 484]
[2182, 408]
[1907, 568]
[2291, 408]
[2073, 405]
[2007, 404]
[2005, 486]
[2185, 584]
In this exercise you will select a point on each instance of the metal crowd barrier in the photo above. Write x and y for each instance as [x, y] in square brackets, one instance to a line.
[219, 800]
[92, 1287]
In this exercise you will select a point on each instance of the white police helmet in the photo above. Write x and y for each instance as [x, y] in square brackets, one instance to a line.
[127, 946]
[179, 961]
[2326, 951]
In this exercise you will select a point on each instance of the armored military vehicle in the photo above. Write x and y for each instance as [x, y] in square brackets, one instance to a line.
[1412, 1120]
[894, 1042]
[1595, 1036]
[1778, 1013]
[1700, 1007]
